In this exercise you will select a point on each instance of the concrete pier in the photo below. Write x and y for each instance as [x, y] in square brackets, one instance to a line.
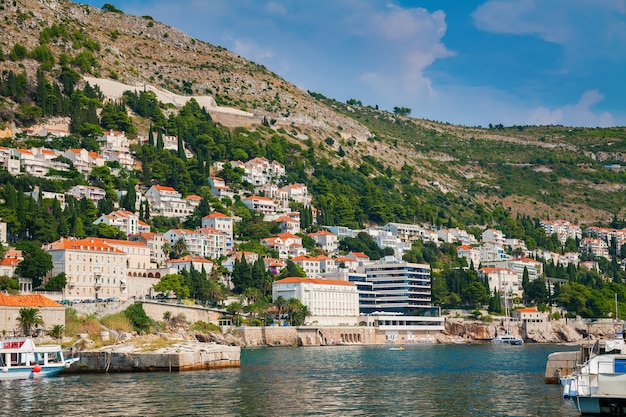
[176, 358]
[561, 364]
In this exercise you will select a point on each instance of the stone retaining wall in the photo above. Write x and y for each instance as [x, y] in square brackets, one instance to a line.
[155, 311]
[308, 336]
[204, 357]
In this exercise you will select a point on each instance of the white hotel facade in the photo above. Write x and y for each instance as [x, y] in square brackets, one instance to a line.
[331, 302]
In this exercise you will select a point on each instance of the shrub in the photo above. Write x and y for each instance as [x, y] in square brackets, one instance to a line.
[204, 327]
[118, 322]
[137, 316]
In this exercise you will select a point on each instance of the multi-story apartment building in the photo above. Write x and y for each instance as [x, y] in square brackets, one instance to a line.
[83, 160]
[94, 194]
[124, 220]
[221, 222]
[562, 228]
[155, 242]
[286, 244]
[330, 302]
[517, 265]
[402, 304]
[400, 287]
[263, 205]
[595, 246]
[166, 201]
[93, 269]
[204, 242]
[326, 240]
[502, 280]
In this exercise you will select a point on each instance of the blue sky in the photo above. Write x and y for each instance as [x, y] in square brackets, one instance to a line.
[524, 62]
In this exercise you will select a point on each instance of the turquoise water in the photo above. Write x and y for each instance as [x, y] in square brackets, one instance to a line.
[422, 380]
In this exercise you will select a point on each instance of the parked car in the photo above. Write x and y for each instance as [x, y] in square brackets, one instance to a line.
[112, 299]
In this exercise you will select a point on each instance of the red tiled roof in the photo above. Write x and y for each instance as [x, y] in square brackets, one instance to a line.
[30, 300]
[216, 214]
[164, 188]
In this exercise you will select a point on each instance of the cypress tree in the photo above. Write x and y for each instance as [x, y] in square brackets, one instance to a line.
[150, 137]
[159, 141]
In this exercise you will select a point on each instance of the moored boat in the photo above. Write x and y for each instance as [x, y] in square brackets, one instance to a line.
[507, 339]
[22, 359]
[598, 386]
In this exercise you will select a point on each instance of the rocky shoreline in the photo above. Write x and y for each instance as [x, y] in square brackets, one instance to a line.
[555, 331]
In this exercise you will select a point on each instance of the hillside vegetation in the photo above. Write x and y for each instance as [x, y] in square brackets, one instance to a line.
[363, 166]
[549, 171]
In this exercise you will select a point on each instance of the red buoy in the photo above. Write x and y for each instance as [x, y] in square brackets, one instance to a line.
[36, 369]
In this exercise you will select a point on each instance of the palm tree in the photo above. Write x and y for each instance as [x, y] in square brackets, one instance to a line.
[281, 306]
[29, 317]
[234, 309]
[293, 306]
[215, 292]
[167, 316]
[252, 295]
[57, 331]
[300, 316]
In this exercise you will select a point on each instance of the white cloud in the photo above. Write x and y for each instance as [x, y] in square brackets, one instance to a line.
[252, 51]
[407, 41]
[520, 17]
[276, 8]
[579, 114]
[585, 28]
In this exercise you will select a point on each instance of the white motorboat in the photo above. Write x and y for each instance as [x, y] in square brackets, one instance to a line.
[22, 359]
[507, 339]
[598, 386]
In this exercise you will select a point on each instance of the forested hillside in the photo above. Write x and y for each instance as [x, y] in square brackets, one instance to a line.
[362, 165]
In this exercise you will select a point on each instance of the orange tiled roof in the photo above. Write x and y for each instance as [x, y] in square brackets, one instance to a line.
[216, 214]
[9, 261]
[528, 310]
[30, 300]
[164, 188]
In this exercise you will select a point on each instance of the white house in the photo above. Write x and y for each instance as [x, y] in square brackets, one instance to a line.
[87, 191]
[114, 141]
[166, 201]
[493, 236]
[188, 261]
[502, 279]
[286, 244]
[124, 220]
[219, 188]
[263, 205]
[326, 240]
[219, 221]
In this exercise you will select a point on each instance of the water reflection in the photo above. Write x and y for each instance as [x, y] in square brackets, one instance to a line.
[332, 381]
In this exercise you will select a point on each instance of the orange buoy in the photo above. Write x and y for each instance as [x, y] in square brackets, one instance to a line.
[36, 369]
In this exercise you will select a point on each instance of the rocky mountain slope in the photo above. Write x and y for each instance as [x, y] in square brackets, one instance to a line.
[539, 171]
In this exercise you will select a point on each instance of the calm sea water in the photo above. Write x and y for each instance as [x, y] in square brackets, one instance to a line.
[422, 380]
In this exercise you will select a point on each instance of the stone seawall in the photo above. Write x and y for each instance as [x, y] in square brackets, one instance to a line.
[308, 336]
[176, 358]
